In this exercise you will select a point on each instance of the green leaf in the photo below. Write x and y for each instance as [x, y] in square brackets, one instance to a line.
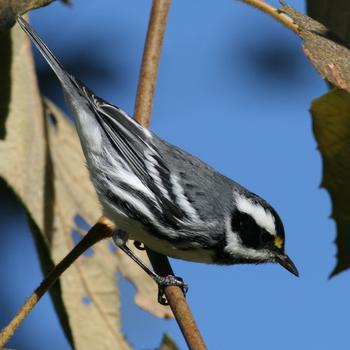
[335, 15]
[331, 125]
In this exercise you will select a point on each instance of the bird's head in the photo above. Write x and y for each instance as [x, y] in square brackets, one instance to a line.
[255, 233]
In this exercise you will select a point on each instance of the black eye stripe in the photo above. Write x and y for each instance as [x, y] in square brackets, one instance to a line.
[266, 237]
[251, 234]
[247, 229]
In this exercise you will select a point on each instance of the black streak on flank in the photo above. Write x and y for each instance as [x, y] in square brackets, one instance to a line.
[5, 79]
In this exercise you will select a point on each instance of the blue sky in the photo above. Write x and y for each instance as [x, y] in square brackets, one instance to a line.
[234, 89]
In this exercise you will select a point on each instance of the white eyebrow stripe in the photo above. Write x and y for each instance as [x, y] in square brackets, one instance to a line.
[262, 217]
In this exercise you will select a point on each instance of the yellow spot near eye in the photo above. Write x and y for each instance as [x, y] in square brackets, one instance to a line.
[278, 242]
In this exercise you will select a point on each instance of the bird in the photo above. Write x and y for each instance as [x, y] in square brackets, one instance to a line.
[162, 196]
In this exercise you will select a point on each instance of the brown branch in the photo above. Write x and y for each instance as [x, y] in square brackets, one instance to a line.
[102, 229]
[143, 108]
[178, 304]
[150, 61]
[273, 12]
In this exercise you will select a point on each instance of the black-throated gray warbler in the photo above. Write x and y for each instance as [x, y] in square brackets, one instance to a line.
[163, 196]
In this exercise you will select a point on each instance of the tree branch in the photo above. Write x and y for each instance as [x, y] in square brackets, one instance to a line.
[150, 61]
[101, 230]
[143, 108]
[273, 12]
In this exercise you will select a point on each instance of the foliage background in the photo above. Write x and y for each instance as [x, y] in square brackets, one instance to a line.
[234, 88]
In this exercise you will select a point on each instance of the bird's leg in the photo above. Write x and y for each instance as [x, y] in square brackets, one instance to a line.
[162, 281]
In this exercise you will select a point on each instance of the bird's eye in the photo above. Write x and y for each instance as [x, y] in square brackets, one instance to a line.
[246, 227]
[266, 237]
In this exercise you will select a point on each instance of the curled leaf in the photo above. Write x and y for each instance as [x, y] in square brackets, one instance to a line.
[331, 124]
[335, 15]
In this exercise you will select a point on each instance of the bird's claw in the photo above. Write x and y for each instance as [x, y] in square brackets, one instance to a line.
[138, 245]
[166, 281]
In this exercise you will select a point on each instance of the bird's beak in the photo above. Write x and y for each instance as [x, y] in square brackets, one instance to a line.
[285, 261]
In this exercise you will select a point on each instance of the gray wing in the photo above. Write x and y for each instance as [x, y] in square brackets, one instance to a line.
[187, 189]
[209, 192]
[134, 145]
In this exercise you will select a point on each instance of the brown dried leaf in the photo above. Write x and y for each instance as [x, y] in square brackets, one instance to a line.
[331, 127]
[11, 8]
[94, 324]
[146, 288]
[41, 159]
[331, 124]
[324, 49]
[54, 189]
[168, 343]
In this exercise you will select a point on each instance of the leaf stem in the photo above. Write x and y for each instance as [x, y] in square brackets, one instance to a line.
[102, 229]
[273, 12]
[143, 108]
[150, 61]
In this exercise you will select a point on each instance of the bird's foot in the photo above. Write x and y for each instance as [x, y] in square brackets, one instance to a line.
[166, 281]
[138, 245]
[119, 238]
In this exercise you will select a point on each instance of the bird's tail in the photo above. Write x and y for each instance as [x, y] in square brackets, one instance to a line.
[54, 63]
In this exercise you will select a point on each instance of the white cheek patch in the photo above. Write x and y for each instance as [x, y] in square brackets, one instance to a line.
[261, 216]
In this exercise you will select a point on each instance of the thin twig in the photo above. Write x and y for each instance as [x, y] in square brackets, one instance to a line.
[178, 303]
[273, 12]
[101, 230]
[150, 61]
[143, 108]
